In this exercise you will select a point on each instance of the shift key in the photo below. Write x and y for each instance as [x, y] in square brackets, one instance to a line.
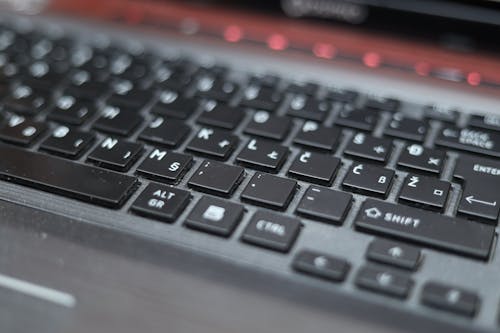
[456, 235]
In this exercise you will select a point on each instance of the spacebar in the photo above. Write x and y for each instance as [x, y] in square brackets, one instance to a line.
[53, 174]
[432, 229]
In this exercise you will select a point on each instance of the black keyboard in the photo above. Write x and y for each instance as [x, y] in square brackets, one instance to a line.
[136, 131]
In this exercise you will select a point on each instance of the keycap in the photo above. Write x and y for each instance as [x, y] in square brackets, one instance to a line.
[116, 120]
[273, 231]
[263, 155]
[82, 182]
[427, 192]
[127, 95]
[268, 126]
[165, 165]
[21, 131]
[308, 107]
[382, 104]
[435, 112]
[214, 143]
[342, 95]
[394, 253]
[384, 281]
[261, 97]
[489, 122]
[168, 132]
[406, 223]
[448, 298]
[314, 167]
[161, 202]
[369, 179]
[25, 99]
[170, 104]
[216, 178]
[85, 85]
[174, 75]
[406, 128]
[67, 142]
[116, 154]
[475, 141]
[419, 158]
[269, 191]
[221, 115]
[317, 204]
[219, 88]
[357, 118]
[368, 147]
[215, 216]
[69, 110]
[317, 136]
[42, 75]
[306, 88]
[321, 265]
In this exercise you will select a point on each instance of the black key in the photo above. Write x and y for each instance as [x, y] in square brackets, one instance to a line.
[406, 128]
[370, 148]
[21, 131]
[489, 122]
[474, 141]
[25, 99]
[306, 88]
[165, 132]
[314, 167]
[71, 111]
[321, 265]
[427, 228]
[444, 297]
[434, 112]
[394, 254]
[269, 191]
[216, 178]
[381, 280]
[84, 85]
[67, 142]
[341, 95]
[268, 126]
[273, 231]
[418, 158]
[163, 165]
[221, 115]
[215, 143]
[317, 136]
[170, 104]
[173, 75]
[317, 204]
[42, 75]
[82, 182]
[216, 216]
[360, 119]
[215, 87]
[161, 202]
[261, 97]
[126, 95]
[116, 120]
[308, 107]
[263, 155]
[369, 179]
[428, 192]
[382, 104]
[115, 154]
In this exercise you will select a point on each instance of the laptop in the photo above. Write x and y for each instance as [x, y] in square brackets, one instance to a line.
[241, 166]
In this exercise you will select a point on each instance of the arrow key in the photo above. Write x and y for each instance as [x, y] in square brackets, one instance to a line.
[394, 254]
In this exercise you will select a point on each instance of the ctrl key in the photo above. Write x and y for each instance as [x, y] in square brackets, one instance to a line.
[161, 202]
[321, 265]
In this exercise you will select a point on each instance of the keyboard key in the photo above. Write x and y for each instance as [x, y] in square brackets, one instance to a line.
[317, 136]
[82, 182]
[165, 165]
[269, 191]
[268, 126]
[381, 280]
[370, 148]
[69, 110]
[406, 128]
[444, 297]
[21, 131]
[306, 88]
[25, 99]
[273, 231]
[216, 216]
[261, 97]
[461, 236]
[308, 107]
[434, 112]
[489, 122]
[173, 75]
[170, 104]
[342, 95]
[215, 87]
[360, 119]
[317, 204]
[67, 142]
[418, 158]
[214, 143]
[314, 167]
[321, 265]
[161, 202]
[382, 104]
[369, 179]
[127, 95]
[474, 141]
[116, 154]
[263, 155]
[165, 132]
[216, 178]
[428, 192]
[85, 85]
[116, 120]
[221, 115]
[394, 254]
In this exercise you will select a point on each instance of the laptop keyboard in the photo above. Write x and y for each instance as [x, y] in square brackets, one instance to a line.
[93, 122]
